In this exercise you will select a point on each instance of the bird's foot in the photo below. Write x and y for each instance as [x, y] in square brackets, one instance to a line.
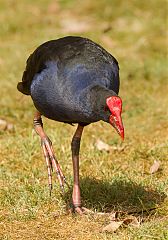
[52, 163]
[83, 210]
[75, 208]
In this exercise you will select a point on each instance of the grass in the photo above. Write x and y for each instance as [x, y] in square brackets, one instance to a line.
[135, 33]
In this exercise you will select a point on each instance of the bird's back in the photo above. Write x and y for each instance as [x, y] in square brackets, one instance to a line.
[71, 51]
[59, 71]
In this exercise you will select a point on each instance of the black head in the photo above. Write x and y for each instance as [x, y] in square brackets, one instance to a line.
[109, 108]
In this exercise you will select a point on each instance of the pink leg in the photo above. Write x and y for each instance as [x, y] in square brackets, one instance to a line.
[76, 196]
[75, 146]
[48, 152]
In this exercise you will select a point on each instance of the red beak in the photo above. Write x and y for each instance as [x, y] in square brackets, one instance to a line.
[114, 104]
[116, 122]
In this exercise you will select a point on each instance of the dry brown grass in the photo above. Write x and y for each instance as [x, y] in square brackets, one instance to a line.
[135, 33]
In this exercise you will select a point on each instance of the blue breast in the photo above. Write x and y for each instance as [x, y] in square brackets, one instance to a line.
[56, 93]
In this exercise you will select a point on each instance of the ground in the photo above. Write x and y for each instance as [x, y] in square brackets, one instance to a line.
[118, 180]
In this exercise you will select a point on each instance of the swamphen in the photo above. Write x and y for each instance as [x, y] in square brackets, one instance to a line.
[72, 80]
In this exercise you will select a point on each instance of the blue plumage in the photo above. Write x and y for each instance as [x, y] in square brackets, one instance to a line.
[69, 80]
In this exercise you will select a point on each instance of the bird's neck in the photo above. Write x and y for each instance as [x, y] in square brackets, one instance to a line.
[98, 98]
[103, 91]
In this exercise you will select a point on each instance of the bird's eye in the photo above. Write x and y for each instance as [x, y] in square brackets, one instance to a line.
[107, 110]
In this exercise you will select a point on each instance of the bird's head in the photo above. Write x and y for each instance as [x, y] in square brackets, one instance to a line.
[114, 105]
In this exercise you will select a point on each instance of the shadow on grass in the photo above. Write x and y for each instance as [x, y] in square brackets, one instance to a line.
[119, 195]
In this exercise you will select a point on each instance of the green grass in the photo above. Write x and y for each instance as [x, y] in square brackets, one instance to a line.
[135, 33]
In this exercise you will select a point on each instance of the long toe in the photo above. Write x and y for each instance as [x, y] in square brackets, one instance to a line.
[52, 162]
